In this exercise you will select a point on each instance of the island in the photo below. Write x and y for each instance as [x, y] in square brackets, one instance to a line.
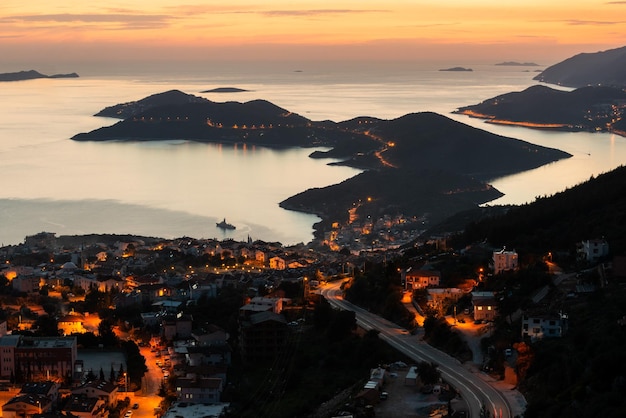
[517, 64]
[593, 109]
[456, 69]
[603, 68]
[424, 165]
[31, 75]
[224, 90]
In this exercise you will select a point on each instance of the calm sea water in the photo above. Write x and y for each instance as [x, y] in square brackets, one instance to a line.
[178, 188]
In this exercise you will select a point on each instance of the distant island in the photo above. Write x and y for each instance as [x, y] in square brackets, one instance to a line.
[224, 90]
[31, 75]
[518, 64]
[593, 109]
[604, 68]
[420, 164]
[456, 69]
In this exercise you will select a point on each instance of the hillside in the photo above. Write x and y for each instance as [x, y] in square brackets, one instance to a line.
[592, 109]
[431, 141]
[605, 68]
[129, 109]
[31, 75]
[594, 209]
[418, 192]
[582, 373]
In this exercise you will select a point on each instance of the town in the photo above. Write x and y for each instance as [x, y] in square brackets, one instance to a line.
[109, 326]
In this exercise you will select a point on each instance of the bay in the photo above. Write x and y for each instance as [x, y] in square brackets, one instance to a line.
[181, 188]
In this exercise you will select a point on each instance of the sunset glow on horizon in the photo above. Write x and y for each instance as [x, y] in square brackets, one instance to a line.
[313, 30]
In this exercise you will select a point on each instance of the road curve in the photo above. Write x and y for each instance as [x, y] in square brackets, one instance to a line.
[474, 390]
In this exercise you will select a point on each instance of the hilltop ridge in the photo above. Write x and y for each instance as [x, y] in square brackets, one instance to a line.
[602, 68]
[31, 75]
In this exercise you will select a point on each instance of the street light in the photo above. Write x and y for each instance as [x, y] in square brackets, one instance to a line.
[126, 381]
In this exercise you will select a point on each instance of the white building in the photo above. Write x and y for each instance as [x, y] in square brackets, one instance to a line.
[593, 250]
[504, 260]
[541, 326]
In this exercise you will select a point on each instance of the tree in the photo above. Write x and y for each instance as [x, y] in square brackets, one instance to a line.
[107, 336]
[101, 374]
[112, 374]
[428, 373]
[47, 326]
[90, 376]
[342, 325]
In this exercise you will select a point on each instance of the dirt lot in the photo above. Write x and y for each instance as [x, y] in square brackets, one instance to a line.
[406, 400]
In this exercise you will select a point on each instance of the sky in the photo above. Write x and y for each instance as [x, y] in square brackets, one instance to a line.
[544, 31]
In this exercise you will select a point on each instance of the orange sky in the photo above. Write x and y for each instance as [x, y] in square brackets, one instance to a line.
[545, 31]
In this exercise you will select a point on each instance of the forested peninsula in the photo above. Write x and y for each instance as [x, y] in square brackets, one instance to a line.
[593, 109]
[420, 164]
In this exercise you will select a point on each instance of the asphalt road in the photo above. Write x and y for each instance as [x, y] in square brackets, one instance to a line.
[474, 390]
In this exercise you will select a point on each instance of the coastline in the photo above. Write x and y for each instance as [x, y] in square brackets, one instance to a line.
[561, 127]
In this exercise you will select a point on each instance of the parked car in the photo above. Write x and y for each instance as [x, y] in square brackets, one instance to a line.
[136, 406]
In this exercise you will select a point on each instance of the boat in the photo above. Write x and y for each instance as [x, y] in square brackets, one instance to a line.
[224, 225]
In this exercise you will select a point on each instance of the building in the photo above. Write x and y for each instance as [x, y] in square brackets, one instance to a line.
[261, 304]
[37, 358]
[27, 283]
[262, 336]
[277, 263]
[593, 250]
[543, 325]
[419, 279]
[485, 307]
[176, 327]
[85, 407]
[100, 389]
[207, 390]
[72, 323]
[26, 406]
[48, 389]
[504, 261]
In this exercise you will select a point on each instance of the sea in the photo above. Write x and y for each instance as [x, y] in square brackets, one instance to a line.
[179, 188]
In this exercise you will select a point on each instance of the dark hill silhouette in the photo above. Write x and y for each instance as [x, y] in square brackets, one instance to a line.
[171, 97]
[586, 108]
[435, 194]
[606, 68]
[31, 75]
[592, 209]
[430, 141]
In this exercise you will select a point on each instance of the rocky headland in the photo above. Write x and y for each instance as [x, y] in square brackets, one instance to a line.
[456, 69]
[593, 109]
[31, 75]
[603, 68]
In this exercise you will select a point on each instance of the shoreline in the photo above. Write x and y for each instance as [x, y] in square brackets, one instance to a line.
[560, 127]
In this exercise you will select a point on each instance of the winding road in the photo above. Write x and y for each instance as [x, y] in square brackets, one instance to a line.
[473, 389]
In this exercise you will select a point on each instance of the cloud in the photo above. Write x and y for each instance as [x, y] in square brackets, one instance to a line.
[577, 22]
[316, 12]
[616, 2]
[126, 21]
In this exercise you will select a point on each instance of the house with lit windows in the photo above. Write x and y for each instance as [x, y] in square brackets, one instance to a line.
[419, 279]
[207, 390]
[485, 307]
